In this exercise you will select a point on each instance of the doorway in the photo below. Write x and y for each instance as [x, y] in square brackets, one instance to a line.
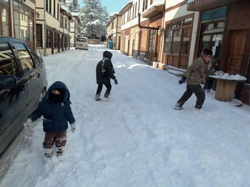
[235, 52]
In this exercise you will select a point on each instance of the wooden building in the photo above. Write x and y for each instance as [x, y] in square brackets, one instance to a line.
[225, 28]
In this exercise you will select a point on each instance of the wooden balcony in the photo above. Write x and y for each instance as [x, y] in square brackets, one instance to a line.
[201, 5]
[153, 11]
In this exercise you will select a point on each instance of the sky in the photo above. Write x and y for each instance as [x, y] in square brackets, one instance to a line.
[135, 138]
[113, 6]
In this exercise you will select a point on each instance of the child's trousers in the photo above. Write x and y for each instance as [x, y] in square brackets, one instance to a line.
[59, 139]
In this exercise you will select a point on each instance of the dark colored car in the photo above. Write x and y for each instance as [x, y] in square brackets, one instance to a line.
[22, 84]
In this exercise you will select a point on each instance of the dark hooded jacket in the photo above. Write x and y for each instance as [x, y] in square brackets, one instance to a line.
[56, 115]
[105, 69]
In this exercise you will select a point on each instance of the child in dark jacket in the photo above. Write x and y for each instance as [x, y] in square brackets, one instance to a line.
[104, 72]
[56, 111]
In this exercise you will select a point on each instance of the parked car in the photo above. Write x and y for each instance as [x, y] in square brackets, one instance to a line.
[22, 83]
[82, 43]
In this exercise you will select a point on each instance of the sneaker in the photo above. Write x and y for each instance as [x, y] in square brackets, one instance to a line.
[59, 152]
[97, 97]
[106, 95]
[178, 106]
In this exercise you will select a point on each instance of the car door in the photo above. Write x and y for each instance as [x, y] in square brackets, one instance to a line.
[12, 101]
[31, 73]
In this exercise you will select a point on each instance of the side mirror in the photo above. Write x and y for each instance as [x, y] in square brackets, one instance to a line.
[7, 82]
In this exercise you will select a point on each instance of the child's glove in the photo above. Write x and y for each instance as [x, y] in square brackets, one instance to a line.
[116, 81]
[182, 80]
[73, 127]
[27, 123]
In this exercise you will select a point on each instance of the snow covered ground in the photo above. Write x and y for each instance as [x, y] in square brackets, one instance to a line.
[135, 139]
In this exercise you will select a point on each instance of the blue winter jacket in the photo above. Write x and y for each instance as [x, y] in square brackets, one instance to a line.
[55, 115]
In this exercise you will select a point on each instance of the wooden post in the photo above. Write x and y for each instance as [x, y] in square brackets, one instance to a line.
[225, 89]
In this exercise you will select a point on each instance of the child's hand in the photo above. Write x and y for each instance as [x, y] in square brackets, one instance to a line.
[27, 123]
[73, 127]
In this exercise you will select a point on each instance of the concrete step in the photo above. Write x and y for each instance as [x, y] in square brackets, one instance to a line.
[175, 71]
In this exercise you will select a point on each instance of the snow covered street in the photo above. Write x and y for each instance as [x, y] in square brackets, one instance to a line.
[135, 139]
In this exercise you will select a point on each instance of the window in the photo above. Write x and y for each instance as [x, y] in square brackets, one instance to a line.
[7, 63]
[4, 22]
[48, 38]
[178, 36]
[25, 58]
[56, 41]
[144, 5]
[176, 41]
[23, 23]
[152, 40]
[39, 35]
[65, 21]
[61, 21]
[34, 57]
[168, 42]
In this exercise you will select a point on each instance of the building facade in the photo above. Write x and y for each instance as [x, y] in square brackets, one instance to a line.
[44, 25]
[18, 19]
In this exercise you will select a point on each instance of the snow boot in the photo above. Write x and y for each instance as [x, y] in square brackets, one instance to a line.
[47, 152]
[59, 152]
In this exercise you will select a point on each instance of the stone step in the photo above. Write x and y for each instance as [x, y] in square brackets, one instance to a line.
[175, 71]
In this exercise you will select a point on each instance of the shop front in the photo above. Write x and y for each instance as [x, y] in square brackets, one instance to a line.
[225, 29]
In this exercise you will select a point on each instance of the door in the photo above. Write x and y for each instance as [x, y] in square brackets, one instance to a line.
[30, 72]
[237, 43]
[184, 48]
[12, 101]
[152, 45]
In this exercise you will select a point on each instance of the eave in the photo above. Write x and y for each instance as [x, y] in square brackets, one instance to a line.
[202, 5]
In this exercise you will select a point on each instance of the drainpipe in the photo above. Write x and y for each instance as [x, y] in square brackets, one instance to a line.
[139, 20]
[44, 30]
[162, 37]
[142, 27]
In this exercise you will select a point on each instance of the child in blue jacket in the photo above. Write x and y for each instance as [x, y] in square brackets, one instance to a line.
[56, 111]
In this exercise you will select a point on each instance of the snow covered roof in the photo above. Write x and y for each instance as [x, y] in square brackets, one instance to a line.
[75, 14]
[66, 9]
[156, 3]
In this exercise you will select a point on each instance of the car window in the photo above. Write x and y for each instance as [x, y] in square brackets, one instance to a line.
[34, 56]
[8, 65]
[26, 61]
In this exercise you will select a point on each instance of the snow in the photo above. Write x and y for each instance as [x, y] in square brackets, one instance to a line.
[155, 4]
[135, 139]
[226, 76]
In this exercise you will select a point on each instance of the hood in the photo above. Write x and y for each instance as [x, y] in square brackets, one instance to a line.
[107, 54]
[59, 85]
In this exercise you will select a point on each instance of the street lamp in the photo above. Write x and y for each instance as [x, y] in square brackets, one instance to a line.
[37, 14]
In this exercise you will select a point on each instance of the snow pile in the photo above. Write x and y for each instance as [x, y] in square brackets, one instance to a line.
[226, 76]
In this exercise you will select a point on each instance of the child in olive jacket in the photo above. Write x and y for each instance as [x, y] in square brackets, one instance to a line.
[56, 111]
